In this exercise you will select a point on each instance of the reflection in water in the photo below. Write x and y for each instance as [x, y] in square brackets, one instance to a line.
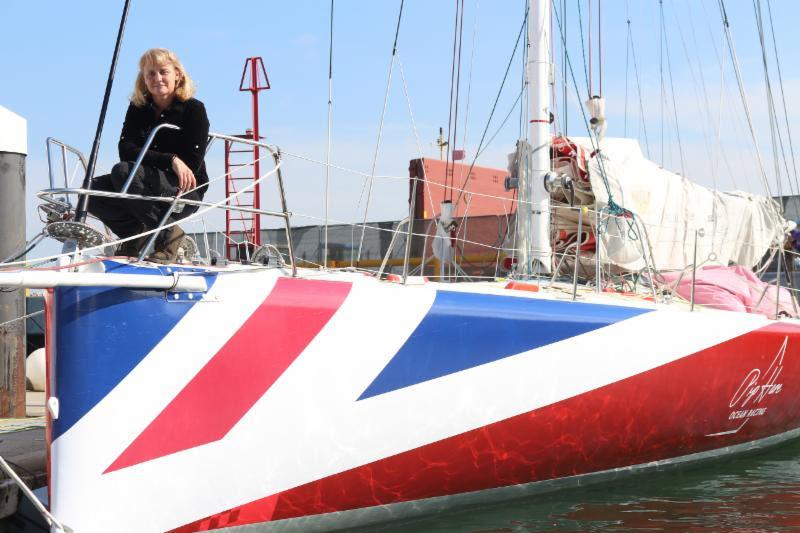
[747, 493]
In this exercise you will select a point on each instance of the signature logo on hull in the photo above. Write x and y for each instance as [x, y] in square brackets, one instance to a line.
[756, 387]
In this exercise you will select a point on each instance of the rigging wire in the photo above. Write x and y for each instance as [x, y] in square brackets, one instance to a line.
[589, 38]
[503, 123]
[450, 103]
[600, 45]
[455, 82]
[554, 109]
[643, 122]
[524, 110]
[723, 93]
[783, 95]
[564, 99]
[775, 136]
[742, 92]
[672, 90]
[612, 207]
[494, 107]
[458, 93]
[380, 133]
[469, 80]
[523, 83]
[583, 51]
[771, 101]
[704, 106]
[627, 76]
[721, 153]
[661, 71]
[412, 207]
[328, 142]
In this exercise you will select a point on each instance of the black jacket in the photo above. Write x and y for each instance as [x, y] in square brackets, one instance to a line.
[188, 143]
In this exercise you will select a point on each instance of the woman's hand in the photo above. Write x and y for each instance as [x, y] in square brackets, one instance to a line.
[186, 180]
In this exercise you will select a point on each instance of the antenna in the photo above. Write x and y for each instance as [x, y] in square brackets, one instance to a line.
[441, 143]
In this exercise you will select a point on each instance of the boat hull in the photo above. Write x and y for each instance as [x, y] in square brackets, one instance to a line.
[336, 400]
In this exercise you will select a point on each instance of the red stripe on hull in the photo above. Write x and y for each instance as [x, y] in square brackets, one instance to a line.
[666, 412]
[241, 372]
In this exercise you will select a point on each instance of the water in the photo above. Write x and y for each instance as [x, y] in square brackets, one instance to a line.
[746, 494]
[752, 493]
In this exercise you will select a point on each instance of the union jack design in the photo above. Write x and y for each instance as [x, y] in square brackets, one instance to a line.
[335, 399]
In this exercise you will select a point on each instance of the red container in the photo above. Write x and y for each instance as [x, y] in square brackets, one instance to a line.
[483, 190]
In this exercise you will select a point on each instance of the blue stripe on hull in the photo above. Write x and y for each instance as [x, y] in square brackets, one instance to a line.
[465, 330]
[101, 334]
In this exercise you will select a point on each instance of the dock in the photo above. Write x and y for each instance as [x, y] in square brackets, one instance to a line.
[22, 445]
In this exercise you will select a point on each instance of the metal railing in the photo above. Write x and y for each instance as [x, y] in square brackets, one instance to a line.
[64, 149]
[143, 152]
[391, 248]
[284, 214]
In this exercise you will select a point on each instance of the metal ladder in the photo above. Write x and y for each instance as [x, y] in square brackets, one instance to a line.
[242, 229]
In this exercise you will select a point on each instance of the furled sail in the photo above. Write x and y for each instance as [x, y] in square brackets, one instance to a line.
[668, 209]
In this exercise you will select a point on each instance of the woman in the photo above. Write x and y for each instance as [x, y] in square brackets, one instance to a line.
[163, 93]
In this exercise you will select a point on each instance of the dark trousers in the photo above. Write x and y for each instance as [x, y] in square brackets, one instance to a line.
[126, 217]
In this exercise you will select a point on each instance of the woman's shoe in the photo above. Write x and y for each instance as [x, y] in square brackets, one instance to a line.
[131, 248]
[167, 246]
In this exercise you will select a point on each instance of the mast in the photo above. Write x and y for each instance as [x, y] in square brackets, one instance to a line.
[533, 209]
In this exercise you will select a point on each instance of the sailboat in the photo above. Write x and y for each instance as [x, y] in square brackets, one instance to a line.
[192, 397]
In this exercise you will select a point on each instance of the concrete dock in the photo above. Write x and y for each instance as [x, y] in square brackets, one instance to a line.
[22, 445]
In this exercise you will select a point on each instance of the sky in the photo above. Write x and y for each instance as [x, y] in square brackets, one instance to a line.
[55, 57]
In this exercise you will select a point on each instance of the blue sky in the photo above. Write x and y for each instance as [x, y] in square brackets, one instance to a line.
[55, 59]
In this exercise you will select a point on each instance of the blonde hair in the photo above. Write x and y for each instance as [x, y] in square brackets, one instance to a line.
[184, 86]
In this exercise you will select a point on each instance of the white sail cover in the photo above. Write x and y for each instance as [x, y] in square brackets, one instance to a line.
[737, 226]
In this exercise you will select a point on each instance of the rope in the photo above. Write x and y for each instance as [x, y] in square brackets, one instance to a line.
[30, 245]
[380, 130]
[13, 320]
